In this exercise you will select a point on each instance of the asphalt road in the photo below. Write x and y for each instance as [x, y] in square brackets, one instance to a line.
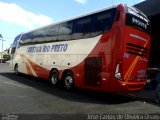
[28, 95]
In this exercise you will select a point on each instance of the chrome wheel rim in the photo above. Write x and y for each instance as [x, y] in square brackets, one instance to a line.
[69, 82]
[54, 80]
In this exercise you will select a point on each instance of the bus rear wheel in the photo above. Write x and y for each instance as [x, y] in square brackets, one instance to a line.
[69, 81]
[54, 78]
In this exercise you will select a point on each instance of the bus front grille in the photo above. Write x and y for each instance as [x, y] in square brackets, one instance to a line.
[136, 50]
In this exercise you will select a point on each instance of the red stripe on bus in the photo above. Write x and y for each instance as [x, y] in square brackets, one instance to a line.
[28, 69]
[39, 70]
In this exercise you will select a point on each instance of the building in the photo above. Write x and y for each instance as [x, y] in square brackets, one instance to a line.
[152, 9]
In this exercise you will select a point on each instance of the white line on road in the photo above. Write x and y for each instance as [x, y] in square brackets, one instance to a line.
[13, 96]
[10, 83]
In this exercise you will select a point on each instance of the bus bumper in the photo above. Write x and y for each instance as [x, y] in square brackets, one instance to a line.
[128, 87]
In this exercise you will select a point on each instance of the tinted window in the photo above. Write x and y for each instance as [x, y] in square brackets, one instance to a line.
[25, 39]
[16, 41]
[52, 33]
[82, 28]
[65, 31]
[137, 19]
[38, 36]
[103, 21]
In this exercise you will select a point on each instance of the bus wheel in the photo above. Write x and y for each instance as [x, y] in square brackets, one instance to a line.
[54, 78]
[16, 69]
[69, 81]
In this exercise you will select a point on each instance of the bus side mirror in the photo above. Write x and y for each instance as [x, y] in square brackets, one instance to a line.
[8, 51]
[13, 50]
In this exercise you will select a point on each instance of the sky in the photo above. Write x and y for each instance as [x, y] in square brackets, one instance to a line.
[17, 16]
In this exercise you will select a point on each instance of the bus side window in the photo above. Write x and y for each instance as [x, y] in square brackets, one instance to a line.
[38, 36]
[103, 22]
[65, 31]
[25, 39]
[51, 33]
[82, 28]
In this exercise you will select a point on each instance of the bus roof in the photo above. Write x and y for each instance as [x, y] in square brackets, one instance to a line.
[86, 14]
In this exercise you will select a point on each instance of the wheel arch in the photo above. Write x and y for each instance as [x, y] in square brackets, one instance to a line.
[16, 64]
[65, 72]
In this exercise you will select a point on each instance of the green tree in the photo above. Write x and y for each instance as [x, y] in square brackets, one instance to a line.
[6, 57]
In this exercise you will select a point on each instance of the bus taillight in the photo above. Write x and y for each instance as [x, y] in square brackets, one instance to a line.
[118, 71]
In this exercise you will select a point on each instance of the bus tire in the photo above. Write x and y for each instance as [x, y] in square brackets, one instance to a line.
[16, 69]
[69, 81]
[54, 78]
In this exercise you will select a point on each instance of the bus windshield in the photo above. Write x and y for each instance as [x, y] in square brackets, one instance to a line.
[137, 19]
[16, 41]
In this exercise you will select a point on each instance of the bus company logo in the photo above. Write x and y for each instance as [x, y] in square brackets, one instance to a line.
[49, 48]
